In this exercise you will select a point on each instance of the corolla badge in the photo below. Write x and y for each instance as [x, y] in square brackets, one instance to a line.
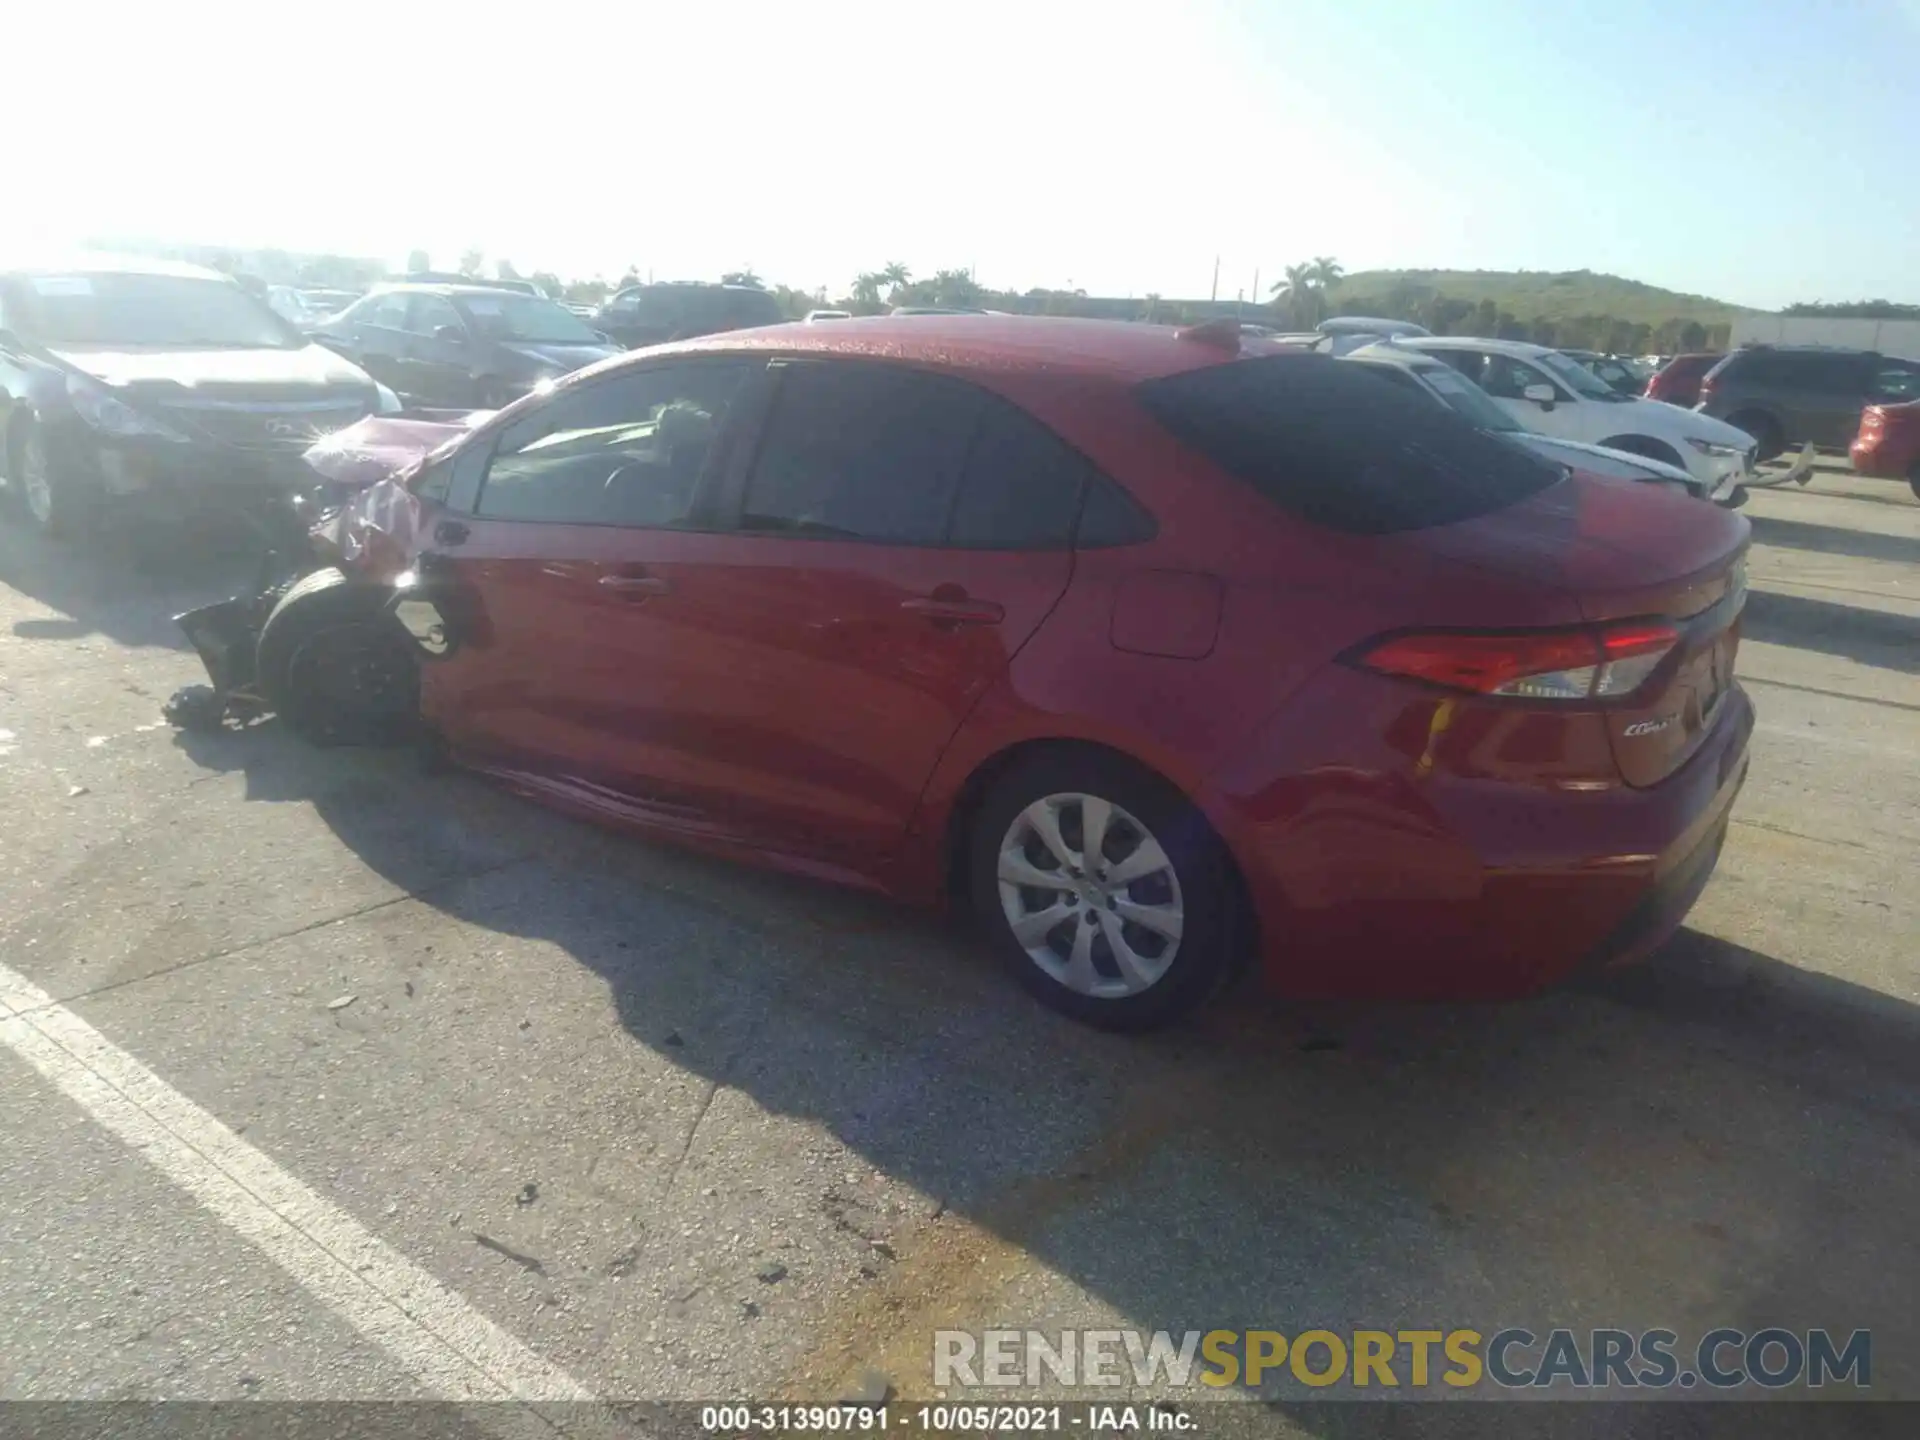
[1648, 727]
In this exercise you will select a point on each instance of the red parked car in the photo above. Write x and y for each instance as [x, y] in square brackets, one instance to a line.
[1156, 654]
[1888, 445]
[1678, 381]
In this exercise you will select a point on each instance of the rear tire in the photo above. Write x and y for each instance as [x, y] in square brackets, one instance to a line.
[1130, 942]
[335, 666]
[1765, 431]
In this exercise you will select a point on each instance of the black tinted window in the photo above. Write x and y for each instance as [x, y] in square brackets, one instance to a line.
[624, 451]
[750, 307]
[863, 452]
[1021, 490]
[1331, 445]
[429, 313]
[1798, 369]
[1110, 516]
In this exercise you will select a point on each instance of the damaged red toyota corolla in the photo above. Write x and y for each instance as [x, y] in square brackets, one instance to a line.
[1157, 654]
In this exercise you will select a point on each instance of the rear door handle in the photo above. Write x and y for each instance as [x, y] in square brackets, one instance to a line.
[954, 610]
[635, 587]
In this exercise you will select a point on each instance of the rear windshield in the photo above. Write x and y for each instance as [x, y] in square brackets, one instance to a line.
[1327, 442]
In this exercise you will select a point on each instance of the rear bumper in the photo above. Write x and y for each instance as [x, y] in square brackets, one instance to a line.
[1399, 888]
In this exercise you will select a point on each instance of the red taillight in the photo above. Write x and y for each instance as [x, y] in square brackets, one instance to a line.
[1873, 420]
[1529, 664]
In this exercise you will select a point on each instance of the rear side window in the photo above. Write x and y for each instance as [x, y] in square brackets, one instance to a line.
[1839, 373]
[862, 453]
[1331, 445]
[1021, 488]
[894, 456]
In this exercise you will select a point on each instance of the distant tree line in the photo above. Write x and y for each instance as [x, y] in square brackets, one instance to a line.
[1306, 294]
[1310, 292]
[1855, 310]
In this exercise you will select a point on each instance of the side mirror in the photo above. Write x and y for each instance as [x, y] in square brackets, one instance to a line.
[454, 335]
[1541, 395]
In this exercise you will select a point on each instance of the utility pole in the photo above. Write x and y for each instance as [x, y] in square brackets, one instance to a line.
[1215, 296]
[1256, 285]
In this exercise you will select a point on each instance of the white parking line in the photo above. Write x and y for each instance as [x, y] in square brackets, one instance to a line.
[454, 1351]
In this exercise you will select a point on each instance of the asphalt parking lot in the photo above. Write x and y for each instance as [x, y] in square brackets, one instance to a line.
[661, 1127]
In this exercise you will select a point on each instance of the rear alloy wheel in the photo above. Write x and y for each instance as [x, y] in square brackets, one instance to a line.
[1106, 891]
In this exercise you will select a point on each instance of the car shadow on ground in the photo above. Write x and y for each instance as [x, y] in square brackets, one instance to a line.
[1873, 637]
[1719, 1138]
[1833, 539]
[127, 582]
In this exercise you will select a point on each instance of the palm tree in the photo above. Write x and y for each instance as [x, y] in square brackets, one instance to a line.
[1327, 271]
[1296, 292]
[896, 277]
[866, 289]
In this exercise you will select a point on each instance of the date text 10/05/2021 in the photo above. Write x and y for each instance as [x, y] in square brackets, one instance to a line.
[963, 1417]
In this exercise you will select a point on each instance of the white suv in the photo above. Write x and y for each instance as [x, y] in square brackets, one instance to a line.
[1547, 392]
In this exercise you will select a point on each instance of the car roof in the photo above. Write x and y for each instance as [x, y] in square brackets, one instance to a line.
[1395, 354]
[1526, 349]
[436, 287]
[1119, 350]
[104, 262]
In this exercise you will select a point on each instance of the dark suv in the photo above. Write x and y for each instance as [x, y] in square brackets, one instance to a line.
[679, 310]
[1789, 395]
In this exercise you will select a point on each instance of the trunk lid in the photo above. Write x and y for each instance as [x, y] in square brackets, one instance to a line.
[1624, 551]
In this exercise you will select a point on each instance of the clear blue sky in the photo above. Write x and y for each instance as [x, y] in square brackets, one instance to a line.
[1761, 151]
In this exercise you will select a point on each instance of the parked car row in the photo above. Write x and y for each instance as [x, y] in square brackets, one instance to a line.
[469, 346]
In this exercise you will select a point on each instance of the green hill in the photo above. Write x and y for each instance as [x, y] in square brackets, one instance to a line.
[1532, 294]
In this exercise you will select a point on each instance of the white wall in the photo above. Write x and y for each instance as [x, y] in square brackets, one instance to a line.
[1889, 337]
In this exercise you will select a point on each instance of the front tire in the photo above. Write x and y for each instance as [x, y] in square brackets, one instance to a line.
[335, 665]
[55, 500]
[1104, 890]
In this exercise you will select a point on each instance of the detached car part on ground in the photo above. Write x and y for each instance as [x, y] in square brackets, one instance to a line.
[1160, 653]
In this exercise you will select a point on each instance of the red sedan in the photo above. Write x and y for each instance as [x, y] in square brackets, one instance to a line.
[1888, 445]
[1157, 654]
